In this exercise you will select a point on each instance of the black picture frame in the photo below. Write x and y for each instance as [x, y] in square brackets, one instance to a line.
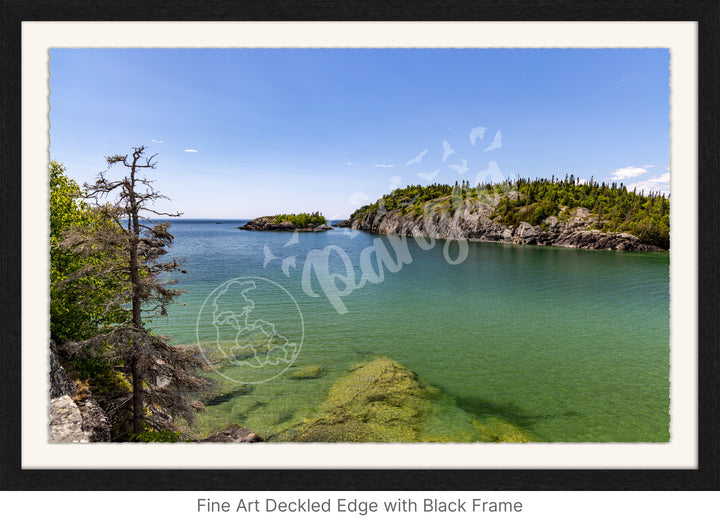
[705, 477]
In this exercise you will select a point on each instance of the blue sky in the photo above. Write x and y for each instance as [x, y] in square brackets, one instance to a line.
[248, 132]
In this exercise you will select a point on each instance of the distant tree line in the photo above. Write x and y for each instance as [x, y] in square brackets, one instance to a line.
[302, 219]
[616, 208]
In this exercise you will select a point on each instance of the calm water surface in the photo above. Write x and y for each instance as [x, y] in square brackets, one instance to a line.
[568, 345]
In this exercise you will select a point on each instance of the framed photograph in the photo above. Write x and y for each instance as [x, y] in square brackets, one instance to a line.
[384, 248]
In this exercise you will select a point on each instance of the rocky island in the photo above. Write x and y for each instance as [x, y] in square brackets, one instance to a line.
[303, 222]
[542, 212]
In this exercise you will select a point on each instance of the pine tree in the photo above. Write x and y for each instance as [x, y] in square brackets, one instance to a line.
[162, 375]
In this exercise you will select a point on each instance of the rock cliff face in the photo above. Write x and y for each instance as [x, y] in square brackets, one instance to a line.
[60, 382]
[471, 220]
[66, 421]
[267, 223]
[75, 415]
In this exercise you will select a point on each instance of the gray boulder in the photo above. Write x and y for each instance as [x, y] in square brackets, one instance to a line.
[75, 415]
[95, 422]
[233, 434]
[66, 423]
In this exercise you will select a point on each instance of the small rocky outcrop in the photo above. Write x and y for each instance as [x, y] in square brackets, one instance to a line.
[344, 224]
[267, 223]
[233, 434]
[95, 422]
[75, 415]
[66, 423]
[198, 406]
[60, 382]
[472, 219]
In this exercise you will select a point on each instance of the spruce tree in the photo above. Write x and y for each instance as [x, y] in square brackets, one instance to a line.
[162, 375]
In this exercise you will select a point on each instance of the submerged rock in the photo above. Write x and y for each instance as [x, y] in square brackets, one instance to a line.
[380, 401]
[218, 395]
[308, 372]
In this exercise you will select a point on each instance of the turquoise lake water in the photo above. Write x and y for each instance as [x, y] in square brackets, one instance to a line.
[567, 345]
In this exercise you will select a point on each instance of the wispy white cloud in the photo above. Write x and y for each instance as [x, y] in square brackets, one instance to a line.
[348, 163]
[384, 166]
[395, 182]
[628, 172]
[418, 158]
[190, 150]
[447, 150]
[660, 184]
[648, 166]
[429, 176]
[476, 133]
[647, 187]
[157, 141]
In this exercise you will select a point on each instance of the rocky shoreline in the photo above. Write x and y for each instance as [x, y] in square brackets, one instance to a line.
[472, 219]
[267, 223]
[76, 417]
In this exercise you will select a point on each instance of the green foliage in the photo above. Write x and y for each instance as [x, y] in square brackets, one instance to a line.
[363, 211]
[149, 435]
[615, 208]
[77, 306]
[409, 200]
[101, 375]
[302, 219]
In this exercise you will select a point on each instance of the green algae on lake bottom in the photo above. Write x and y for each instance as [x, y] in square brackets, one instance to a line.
[381, 401]
[307, 372]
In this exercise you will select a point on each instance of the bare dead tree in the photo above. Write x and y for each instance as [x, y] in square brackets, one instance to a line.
[162, 374]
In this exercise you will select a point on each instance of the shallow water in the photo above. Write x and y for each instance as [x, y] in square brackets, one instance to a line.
[566, 345]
